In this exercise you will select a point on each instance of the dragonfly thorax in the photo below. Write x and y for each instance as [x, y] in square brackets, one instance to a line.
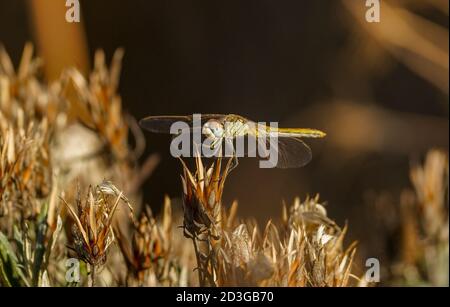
[235, 128]
[228, 129]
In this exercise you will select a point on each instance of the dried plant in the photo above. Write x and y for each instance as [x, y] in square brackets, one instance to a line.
[25, 167]
[27, 111]
[25, 100]
[431, 185]
[96, 104]
[150, 258]
[92, 229]
[425, 224]
[308, 252]
[202, 205]
[419, 218]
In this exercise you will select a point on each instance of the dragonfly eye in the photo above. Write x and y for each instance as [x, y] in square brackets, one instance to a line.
[212, 129]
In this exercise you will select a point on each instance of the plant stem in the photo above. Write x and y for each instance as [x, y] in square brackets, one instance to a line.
[199, 264]
[92, 279]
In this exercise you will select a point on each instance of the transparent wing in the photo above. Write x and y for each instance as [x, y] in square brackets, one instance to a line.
[289, 151]
[162, 124]
[292, 152]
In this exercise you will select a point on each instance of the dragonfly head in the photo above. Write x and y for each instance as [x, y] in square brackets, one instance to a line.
[213, 129]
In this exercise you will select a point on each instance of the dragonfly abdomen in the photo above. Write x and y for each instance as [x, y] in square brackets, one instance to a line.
[297, 132]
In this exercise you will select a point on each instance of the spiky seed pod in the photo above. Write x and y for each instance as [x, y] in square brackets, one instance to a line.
[311, 214]
[92, 231]
[315, 249]
[146, 243]
[149, 256]
[22, 91]
[431, 182]
[97, 105]
[202, 197]
[147, 246]
[25, 166]
[202, 201]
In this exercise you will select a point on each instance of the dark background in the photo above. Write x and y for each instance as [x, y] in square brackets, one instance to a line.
[295, 62]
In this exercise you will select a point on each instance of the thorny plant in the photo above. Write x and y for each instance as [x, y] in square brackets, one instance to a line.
[431, 185]
[419, 218]
[63, 138]
[96, 104]
[148, 257]
[202, 205]
[308, 252]
[25, 171]
[25, 166]
[92, 230]
[424, 224]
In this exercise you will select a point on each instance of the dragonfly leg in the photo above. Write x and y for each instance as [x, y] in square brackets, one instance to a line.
[234, 157]
[212, 149]
[234, 162]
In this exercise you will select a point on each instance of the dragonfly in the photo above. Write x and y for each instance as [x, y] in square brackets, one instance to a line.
[292, 151]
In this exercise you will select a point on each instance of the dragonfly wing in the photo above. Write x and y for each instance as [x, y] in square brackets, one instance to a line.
[292, 152]
[162, 124]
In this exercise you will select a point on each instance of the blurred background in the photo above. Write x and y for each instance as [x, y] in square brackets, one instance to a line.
[379, 90]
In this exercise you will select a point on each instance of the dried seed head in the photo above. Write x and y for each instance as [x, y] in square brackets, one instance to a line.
[25, 166]
[92, 231]
[202, 196]
[431, 182]
[97, 104]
